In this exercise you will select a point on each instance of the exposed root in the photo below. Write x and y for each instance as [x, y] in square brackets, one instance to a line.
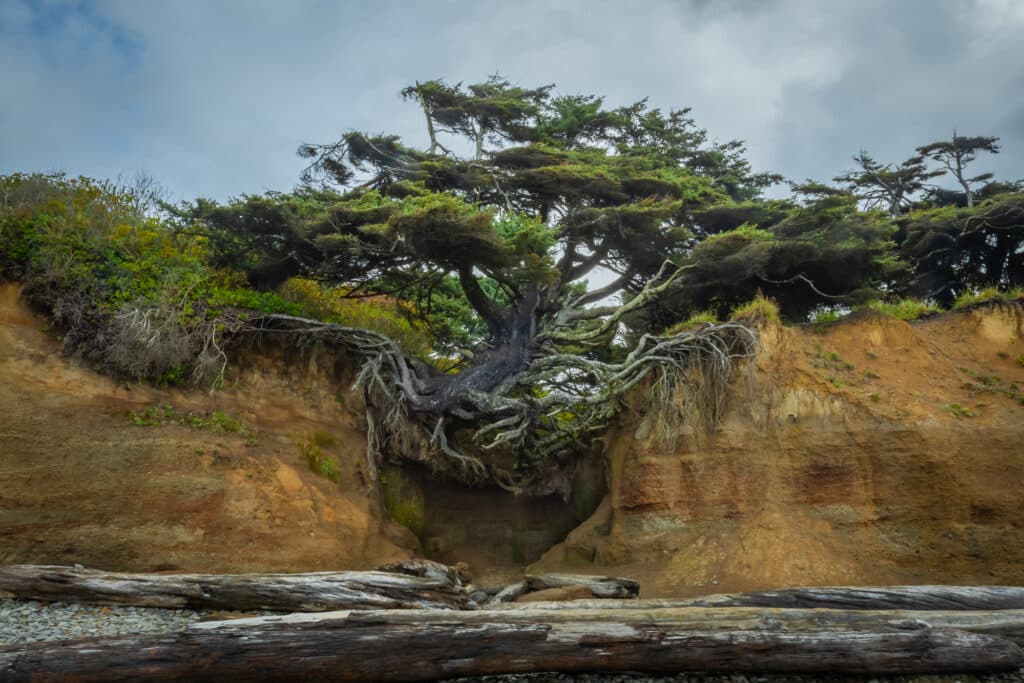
[151, 341]
[469, 465]
[553, 408]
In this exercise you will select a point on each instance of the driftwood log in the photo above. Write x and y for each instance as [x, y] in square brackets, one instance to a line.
[876, 598]
[602, 587]
[422, 645]
[413, 584]
[921, 598]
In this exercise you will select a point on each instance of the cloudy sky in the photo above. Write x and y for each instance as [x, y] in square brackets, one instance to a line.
[212, 97]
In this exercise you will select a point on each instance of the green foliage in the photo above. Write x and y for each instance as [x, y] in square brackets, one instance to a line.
[958, 411]
[109, 273]
[904, 309]
[382, 314]
[955, 250]
[986, 295]
[217, 421]
[825, 316]
[319, 462]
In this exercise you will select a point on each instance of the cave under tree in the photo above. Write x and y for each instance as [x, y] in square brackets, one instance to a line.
[547, 242]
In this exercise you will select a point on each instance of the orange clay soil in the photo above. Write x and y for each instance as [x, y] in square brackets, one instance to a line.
[870, 452]
[80, 483]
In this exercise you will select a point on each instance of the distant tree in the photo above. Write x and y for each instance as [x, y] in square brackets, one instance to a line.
[956, 154]
[885, 185]
[952, 250]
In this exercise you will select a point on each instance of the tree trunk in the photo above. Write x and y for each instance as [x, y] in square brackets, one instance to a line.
[419, 645]
[413, 584]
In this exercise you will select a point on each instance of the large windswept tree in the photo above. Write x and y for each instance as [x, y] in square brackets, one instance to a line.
[563, 227]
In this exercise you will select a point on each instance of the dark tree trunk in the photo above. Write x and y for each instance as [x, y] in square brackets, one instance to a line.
[513, 341]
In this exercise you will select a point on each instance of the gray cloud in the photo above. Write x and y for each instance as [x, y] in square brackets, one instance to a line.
[213, 98]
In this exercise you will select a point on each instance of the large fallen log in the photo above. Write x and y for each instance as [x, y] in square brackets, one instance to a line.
[922, 598]
[418, 645]
[876, 598]
[414, 584]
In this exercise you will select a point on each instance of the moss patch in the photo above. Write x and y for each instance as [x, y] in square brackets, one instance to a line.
[403, 499]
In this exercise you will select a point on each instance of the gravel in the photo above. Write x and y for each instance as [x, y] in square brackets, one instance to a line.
[24, 621]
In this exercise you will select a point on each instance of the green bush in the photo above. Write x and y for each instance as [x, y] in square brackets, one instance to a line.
[382, 314]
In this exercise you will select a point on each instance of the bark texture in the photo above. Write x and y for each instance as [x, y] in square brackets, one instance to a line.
[414, 584]
[417, 645]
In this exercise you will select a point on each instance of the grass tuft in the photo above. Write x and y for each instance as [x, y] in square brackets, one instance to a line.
[760, 308]
[904, 309]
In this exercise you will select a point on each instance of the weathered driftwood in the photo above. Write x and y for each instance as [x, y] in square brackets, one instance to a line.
[415, 584]
[508, 593]
[605, 587]
[419, 645]
[600, 586]
[876, 598]
[922, 598]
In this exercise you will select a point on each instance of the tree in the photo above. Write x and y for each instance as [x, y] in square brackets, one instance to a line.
[953, 250]
[956, 154]
[551, 193]
[884, 185]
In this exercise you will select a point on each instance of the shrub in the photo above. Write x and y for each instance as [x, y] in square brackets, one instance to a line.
[130, 294]
[380, 313]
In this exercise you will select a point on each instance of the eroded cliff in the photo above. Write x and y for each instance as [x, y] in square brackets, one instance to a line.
[869, 452]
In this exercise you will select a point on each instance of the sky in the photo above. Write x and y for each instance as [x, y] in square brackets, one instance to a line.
[212, 97]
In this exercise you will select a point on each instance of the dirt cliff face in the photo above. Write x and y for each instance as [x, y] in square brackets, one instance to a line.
[285, 488]
[81, 482]
[870, 452]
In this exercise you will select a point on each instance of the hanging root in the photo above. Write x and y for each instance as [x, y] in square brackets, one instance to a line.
[470, 466]
[554, 408]
[578, 397]
[153, 341]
